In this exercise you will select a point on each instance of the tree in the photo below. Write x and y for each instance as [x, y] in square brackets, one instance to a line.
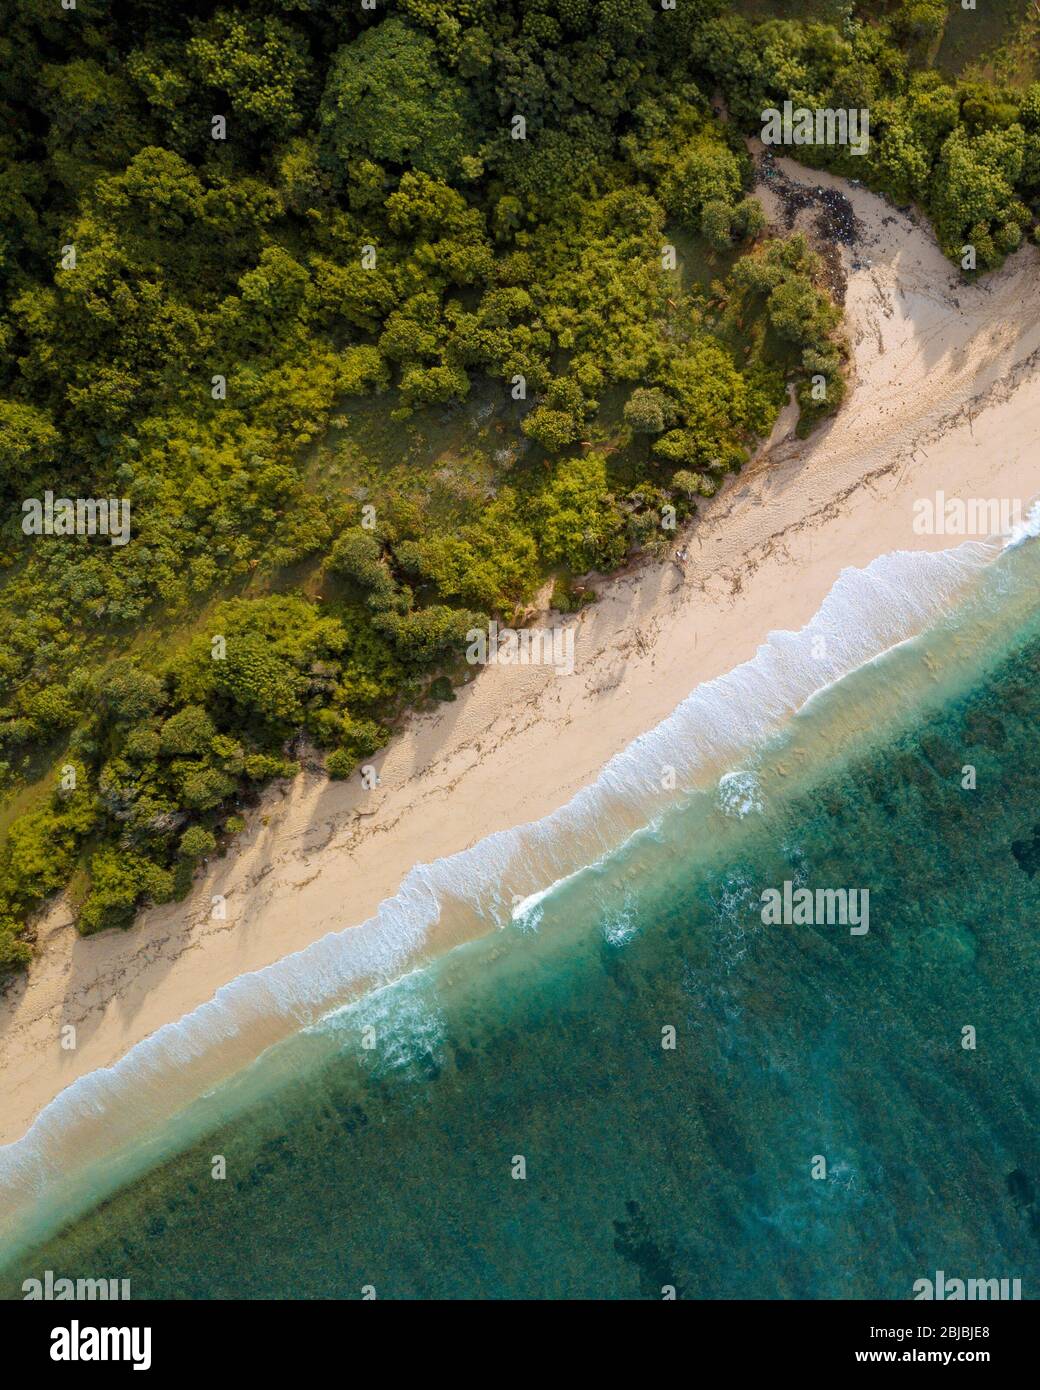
[705, 171]
[717, 223]
[490, 562]
[973, 190]
[648, 410]
[118, 883]
[158, 194]
[196, 841]
[920, 21]
[125, 695]
[429, 634]
[798, 311]
[554, 430]
[901, 162]
[261, 63]
[189, 732]
[15, 954]
[387, 98]
[579, 524]
[185, 316]
[272, 294]
[339, 764]
[28, 443]
[559, 420]
[749, 219]
[433, 385]
[357, 556]
[691, 485]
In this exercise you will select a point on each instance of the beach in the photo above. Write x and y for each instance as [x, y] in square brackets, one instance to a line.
[944, 396]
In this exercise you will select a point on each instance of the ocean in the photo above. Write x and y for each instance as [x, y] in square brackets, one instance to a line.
[576, 1061]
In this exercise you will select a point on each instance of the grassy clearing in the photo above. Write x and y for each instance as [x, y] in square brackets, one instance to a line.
[999, 41]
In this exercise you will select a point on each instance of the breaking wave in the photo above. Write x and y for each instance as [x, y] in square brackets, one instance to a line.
[109, 1125]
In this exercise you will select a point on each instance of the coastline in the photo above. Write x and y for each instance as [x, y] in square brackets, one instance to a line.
[945, 396]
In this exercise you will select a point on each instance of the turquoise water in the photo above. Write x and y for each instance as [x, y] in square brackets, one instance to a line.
[382, 1149]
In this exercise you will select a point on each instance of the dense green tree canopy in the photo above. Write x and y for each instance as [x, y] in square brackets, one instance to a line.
[377, 319]
[387, 97]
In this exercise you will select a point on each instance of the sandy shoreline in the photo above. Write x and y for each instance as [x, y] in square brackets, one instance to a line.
[946, 396]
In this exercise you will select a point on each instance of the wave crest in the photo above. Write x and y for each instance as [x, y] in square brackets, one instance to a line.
[67, 1155]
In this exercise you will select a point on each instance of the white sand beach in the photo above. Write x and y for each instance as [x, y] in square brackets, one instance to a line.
[945, 395]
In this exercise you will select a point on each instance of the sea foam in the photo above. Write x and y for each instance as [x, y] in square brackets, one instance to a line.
[107, 1125]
